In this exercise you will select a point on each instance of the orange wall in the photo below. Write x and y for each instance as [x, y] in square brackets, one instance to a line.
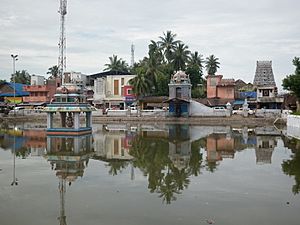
[225, 92]
[212, 82]
[211, 147]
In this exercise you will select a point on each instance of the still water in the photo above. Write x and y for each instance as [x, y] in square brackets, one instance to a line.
[149, 174]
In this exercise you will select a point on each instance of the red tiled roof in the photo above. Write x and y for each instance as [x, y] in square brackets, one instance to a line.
[226, 82]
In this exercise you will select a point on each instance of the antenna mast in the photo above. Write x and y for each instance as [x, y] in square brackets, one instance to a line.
[132, 55]
[62, 39]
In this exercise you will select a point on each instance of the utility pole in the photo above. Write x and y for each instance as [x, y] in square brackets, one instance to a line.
[14, 58]
[62, 40]
[132, 55]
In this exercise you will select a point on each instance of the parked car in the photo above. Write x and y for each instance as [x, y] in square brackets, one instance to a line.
[240, 111]
[18, 110]
[219, 108]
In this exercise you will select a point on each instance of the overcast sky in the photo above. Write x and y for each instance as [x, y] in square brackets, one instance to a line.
[238, 32]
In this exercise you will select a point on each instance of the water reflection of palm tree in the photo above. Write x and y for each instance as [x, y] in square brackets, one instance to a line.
[168, 188]
[291, 167]
[116, 166]
[211, 166]
[196, 158]
[152, 157]
[181, 178]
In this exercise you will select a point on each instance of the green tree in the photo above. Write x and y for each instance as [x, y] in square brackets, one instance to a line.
[292, 82]
[141, 84]
[116, 64]
[180, 56]
[53, 71]
[21, 77]
[212, 65]
[168, 44]
[196, 61]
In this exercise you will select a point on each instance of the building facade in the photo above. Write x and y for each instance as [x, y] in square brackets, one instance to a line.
[12, 93]
[112, 90]
[217, 87]
[179, 94]
[264, 82]
[41, 93]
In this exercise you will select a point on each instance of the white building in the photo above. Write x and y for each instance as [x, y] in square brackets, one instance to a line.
[74, 77]
[37, 80]
[111, 89]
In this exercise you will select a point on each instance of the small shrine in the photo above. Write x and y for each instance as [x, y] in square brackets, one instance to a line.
[179, 94]
[70, 103]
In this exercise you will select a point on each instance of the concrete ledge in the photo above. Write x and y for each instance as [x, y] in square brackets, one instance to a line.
[293, 121]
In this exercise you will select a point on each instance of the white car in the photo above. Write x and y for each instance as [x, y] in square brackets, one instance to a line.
[17, 111]
[240, 111]
[219, 108]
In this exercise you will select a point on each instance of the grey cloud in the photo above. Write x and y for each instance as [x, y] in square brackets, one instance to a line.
[238, 32]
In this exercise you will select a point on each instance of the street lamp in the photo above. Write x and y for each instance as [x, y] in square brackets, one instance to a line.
[14, 58]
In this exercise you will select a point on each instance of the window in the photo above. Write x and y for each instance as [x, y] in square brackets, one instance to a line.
[116, 147]
[129, 91]
[122, 81]
[116, 87]
[265, 144]
[178, 92]
[266, 93]
[213, 82]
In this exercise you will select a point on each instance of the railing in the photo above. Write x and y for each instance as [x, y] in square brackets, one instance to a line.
[155, 112]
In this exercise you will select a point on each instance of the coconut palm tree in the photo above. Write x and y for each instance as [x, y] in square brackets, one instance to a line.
[116, 64]
[141, 84]
[53, 71]
[212, 65]
[180, 56]
[168, 44]
[196, 60]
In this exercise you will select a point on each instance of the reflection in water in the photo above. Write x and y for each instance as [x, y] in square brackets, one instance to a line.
[264, 149]
[113, 147]
[291, 167]
[168, 160]
[168, 155]
[69, 157]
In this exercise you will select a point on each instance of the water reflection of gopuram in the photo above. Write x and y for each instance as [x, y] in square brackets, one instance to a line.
[264, 149]
[69, 157]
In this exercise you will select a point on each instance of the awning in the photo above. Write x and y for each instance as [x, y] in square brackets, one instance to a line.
[238, 102]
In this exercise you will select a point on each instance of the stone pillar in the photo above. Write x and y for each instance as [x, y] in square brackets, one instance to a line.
[229, 109]
[48, 144]
[88, 119]
[49, 120]
[245, 108]
[76, 120]
[63, 116]
[77, 141]
[89, 143]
